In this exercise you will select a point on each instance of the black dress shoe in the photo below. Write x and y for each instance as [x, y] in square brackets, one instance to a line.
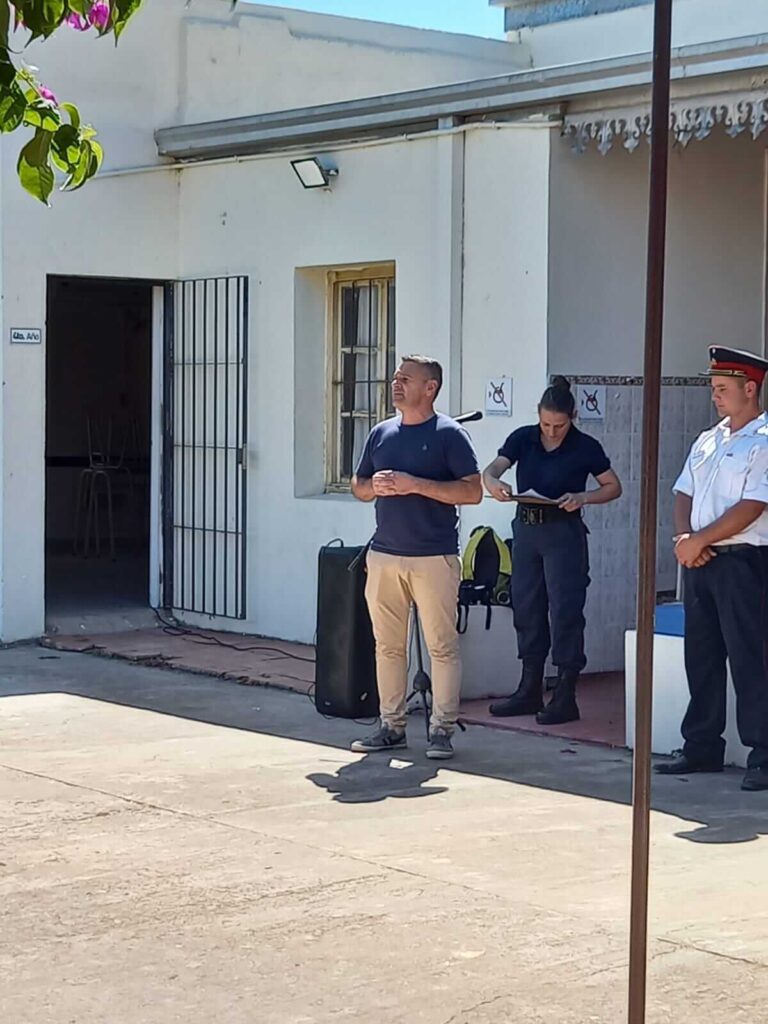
[682, 766]
[755, 779]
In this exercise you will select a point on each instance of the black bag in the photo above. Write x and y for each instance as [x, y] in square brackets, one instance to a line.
[345, 674]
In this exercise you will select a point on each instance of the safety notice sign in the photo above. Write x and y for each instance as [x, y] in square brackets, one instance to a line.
[498, 397]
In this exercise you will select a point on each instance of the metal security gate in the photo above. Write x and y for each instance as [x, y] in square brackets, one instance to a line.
[205, 417]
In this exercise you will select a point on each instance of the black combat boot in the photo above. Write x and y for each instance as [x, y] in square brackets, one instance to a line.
[563, 707]
[527, 698]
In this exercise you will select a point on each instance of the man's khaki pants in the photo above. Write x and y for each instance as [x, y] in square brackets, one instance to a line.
[431, 583]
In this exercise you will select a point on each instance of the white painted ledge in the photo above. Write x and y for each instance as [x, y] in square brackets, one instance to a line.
[670, 699]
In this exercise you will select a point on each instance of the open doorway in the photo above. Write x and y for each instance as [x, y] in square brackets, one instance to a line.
[98, 430]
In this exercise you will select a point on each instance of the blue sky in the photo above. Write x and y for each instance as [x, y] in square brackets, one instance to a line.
[472, 16]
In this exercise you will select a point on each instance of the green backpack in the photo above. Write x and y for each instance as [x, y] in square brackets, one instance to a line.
[486, 569]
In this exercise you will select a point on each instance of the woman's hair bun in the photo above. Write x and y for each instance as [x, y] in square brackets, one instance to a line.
[558, 397]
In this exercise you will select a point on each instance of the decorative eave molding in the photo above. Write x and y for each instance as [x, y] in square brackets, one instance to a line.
[691, 119]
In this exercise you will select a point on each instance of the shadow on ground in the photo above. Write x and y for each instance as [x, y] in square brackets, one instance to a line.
[372, 779]
[723, 812]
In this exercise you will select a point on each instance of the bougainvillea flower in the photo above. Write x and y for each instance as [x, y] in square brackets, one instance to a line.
[99, 14]
[76, 21]
[46, 94]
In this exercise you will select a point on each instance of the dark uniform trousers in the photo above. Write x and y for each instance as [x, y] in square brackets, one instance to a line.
[726, 618]
[550, 576]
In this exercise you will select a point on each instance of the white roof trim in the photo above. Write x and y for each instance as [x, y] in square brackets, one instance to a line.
[691, 119]
[420, 110]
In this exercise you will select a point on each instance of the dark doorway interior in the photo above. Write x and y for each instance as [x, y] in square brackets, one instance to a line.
[98, 391]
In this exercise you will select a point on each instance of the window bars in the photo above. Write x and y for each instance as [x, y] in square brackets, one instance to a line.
[363, 335]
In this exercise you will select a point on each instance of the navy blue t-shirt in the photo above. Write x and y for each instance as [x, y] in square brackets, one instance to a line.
[565, 470]
[439, 449]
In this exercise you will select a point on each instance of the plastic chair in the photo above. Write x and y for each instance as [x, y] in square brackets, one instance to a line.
[96, 485]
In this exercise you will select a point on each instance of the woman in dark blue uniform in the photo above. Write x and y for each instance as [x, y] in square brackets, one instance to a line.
[550, 558]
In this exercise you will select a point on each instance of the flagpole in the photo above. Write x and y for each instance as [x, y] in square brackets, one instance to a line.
[646, 603]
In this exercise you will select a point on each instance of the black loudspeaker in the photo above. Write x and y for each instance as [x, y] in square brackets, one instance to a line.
[345, 677]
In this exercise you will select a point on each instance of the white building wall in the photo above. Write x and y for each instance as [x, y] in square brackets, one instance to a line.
[285, 58]
[506, 253]
[598, 252]
[186, 63]
[117, 227]
[390, 202]
[501, 269]
[192, 62]
[254, 218]
[630, 31]
[715, 287]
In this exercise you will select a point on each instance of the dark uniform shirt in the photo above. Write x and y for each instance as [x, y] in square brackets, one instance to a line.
[440, 449]
[565, 470]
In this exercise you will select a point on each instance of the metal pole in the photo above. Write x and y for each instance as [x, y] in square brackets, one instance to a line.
[641, 782]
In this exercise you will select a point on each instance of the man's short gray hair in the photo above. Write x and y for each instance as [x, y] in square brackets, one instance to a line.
[433, 368]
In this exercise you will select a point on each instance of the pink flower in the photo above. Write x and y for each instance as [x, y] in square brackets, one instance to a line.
[46, 94]
[99, 14]
[77, 22]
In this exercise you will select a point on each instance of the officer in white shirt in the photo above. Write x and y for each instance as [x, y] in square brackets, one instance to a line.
[721, 525]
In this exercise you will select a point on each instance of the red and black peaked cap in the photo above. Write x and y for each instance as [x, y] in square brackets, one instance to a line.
[731, 362]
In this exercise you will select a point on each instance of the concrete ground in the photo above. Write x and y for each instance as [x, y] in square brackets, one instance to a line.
[179, 848]
[291, 666]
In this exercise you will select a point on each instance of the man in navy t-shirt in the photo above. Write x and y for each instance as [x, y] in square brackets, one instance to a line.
[417, 467]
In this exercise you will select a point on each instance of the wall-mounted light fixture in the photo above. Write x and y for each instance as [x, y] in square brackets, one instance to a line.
[312, 173]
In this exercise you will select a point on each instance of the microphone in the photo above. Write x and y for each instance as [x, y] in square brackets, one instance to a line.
[469, 417]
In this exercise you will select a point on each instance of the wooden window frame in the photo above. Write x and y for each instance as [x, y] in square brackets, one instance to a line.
[382, 275]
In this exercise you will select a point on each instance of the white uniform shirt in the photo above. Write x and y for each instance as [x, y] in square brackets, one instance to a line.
[724, 468]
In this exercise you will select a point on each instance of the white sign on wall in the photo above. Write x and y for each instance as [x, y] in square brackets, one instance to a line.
[26, 336]
[591, 402]
[498, 397]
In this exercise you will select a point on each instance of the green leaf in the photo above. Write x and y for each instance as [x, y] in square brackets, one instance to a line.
[122, 12]
[37, 149]
[42, 115]
[13, 106]
[34, 168]
[73, 112]
[7, 70]
[65, 149]
[41, 17]
[97, 158]
[80, 175]
[5, 23]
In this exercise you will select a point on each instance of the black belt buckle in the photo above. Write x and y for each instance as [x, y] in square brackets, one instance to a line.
[533, 515]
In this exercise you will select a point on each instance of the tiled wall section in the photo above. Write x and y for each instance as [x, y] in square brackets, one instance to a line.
[611, 605]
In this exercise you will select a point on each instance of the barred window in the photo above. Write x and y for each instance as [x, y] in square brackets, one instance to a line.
[362, 365]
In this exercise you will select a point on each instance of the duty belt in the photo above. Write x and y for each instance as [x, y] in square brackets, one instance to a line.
[537, 515]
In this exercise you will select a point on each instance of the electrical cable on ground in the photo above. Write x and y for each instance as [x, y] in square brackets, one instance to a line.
[206, 640]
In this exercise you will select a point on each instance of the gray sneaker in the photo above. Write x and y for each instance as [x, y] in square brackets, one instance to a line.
[383, 739]
[440, 747]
